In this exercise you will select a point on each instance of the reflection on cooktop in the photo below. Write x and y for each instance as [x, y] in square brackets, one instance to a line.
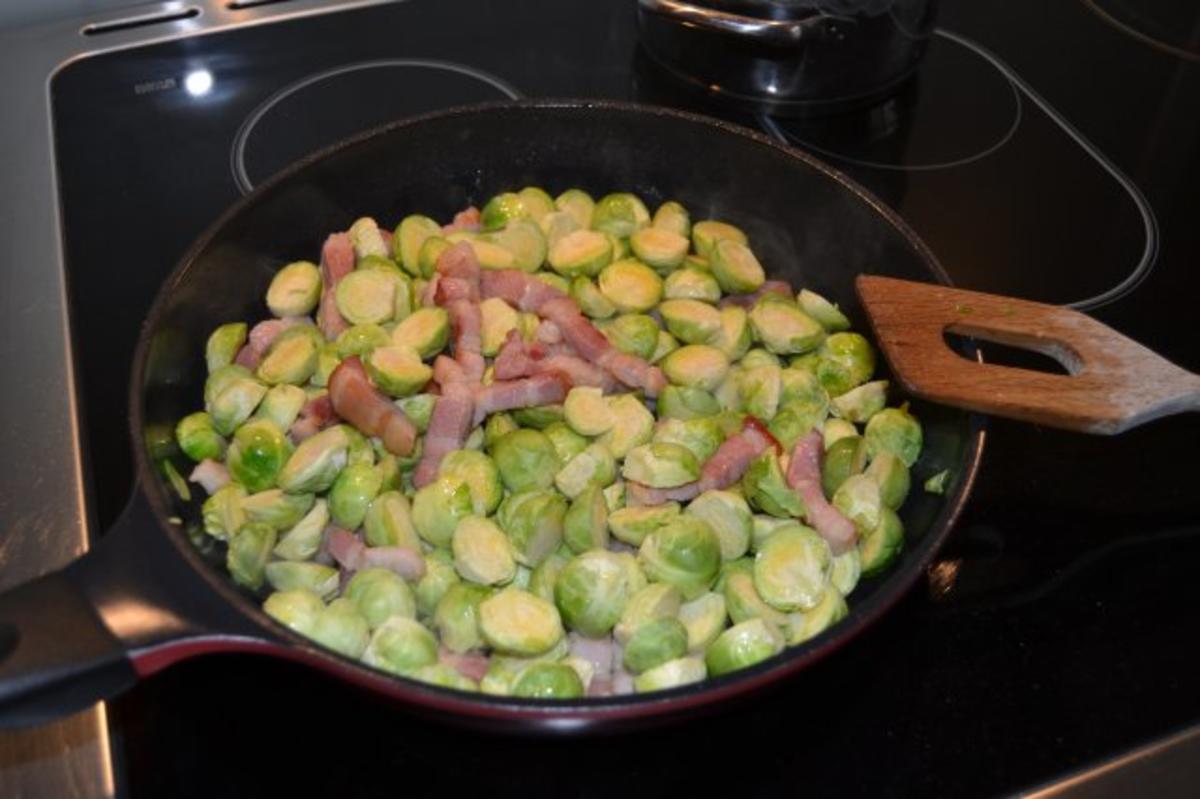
[321, 109]
[1166, 25]
[911, 131]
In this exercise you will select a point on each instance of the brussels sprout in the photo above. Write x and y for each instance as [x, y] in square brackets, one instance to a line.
[672, 674]
[295, 289]
[702, 436]
[636, 334]
[545, 575]
[620, 214]
[516, 622]
[548, 681]
[497, 426]
[498, 319]
[807, 362]
[303, 540]
[801, 386]
[438, 507]
[538, 418]
[426, 330]
[292, 357]
[282, 404]
[729, 517]
[704, 619]
[526, 460]
[634, 575]
[846, 569]
[706, 234]
[296, 609]
[223, 345]
[523, 239]
[578, 204]
[380, 262]
[587, 411]
[315, 464]
[892, 477]
[388, 467]
[655, 601]
[457, 616]
[691, 321]
[222, 512]
[824, 311]
[533, 521]
[791, 568]
[197, 437]
[435, 582]
[614, 496]
[696, 366]
[221, 379]
[287, 575]
[897, 431]
[236, 399]
[444, 676]
[342, 628]
[763, 527]
[861, 403]
[352, 493]
[743, 600]
[631, 286]
[431, 250]
[502, 209]
[327, 360]
[632, 525]
[835, 430]
[784, 328]
[397, 370]
[480, 475]
[880, 545]
[845, 360]
[277, 509]
[936, 484]
[581, 253]
[366, 295]
[760, 389]
[662, 249]
[743, 645]
[766, 490]
[735, 267]
[249, 549]
[759, 357]
[410, 235]
[591, 592]
[847, 456]
[691, 284]
[673, 217]
[807, 624]
[661, 465]
[556, 225]
[684, 552]
[595, 466]
[633, 427]
[590, 299]
[859, 501]
[791, 422]
[734, 336]
[257, 454]
[401, 645]
[686, 402]
[585, 525]
[655, 643]
[567, 443]
[482, 553]
[361, 339]
[366, 238]
[665, 345]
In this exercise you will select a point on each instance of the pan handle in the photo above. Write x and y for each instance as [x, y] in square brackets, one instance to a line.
[75, 637]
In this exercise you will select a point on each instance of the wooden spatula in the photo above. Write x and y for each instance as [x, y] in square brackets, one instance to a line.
[1113, 384]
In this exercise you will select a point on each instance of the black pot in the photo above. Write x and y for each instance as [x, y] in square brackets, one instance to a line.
[789, 57]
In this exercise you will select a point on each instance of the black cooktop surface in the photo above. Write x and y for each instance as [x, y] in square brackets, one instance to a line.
[1050, 151]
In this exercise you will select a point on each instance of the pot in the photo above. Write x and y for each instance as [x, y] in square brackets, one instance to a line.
[789, 57]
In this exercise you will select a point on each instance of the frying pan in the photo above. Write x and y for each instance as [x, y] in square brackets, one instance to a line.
[154, 590]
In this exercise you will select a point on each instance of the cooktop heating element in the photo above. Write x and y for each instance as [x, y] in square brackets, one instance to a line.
[1164, 25]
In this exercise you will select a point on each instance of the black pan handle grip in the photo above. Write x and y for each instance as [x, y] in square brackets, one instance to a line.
[56, 655]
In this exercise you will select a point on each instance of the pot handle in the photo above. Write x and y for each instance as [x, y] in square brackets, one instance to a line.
[770, 31]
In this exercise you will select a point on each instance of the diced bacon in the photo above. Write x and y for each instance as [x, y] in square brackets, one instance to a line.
[548, 332]
[448, 428]
[519, 358]
[371, 413]
[576, 329]
[641, 494]
[210, 475]
[529, 392]
[404, 561]
[469, 664]
[578, 372]
[734, 456]
[386, 235]
[634, 372]
[518, 289]
[315, 416]
[466, 324]
[337, 261]
[514, 358]
[345, 547]
[446, 370]
[600, 652]
[261, 337]
[458, 292]
[600, 686]
[747, 300]
[429, 294]
[622, 682]
[467, 219]
[804, 476]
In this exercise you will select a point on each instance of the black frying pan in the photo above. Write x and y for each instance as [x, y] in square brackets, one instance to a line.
[154, 590]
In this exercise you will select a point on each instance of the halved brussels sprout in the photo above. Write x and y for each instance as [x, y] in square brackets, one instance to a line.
[861, 403]
[410, 235]
[502, 209]
[342, 628]
[496, 427]
[287, 575]
[281, 511]
[661, 465]
[479, 473]
[632, 525]
[444, 676]
[230, 397]
[634, 425]
[388, 522]
[295, 289]
[735, 267]
[691, 321]
[366, 296]
[315, 464]
[845, 360]
[636, 334]
[655, 601]
[579, 204]
[198, 438]
[292, 357]
[734, 337]
[587, 411]
[431, 250]
[595, 466]
[482, 553]
[859, 501]
[706, 234]
[691, 284]
[435, 582]
[686, 402]
[729, 517]
[791, 569]
[684, 552]
[847, 456]
[892, 477]
[783, 328]
[591, 592]
[631, 286]
[760, 389]
[297, 609]
[457, 616]
[660, 248]
[824, 311]
[590, 299]
[282, 404]
[523, 239]
[897, 431]
[880, 545]
[765, 488]
[704, 619]
[498, 318]
[548, 681]
[673, 217]
[397, 370]
[743, 645]
[438, 507]
[248, 552]
[743, 600]
[654, 643]
[533, 521]
[327, 360]
[257, 454]
[222, 512]
[672, 674]
[366, 238]
[846, 569]
[516, 622]
[807, 624]
[536, 201]
[545, 575]
[526, 460]
[620, 214]
[352, 493]
[585, 525]
[581, 253]
[834, 430]
[567, 443]
[304, 539]
[556, 225]
[703, 436]
[401, 645]
[223, 345]
[426, 330]
[696, 366]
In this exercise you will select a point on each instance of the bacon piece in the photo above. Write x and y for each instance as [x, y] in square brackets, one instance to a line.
[210, 475]
[469, 664]
[548, 332]
[642, 494]
[404, 561]
[337, 261]
[724, 468]
[576, 329]
[747, 300]
[315, 416]
[446, 370]
[448, 428]
[467, 219]
[517, 288]
[429, 294]
[519, 358]
[345, 547]
[372, 414]
[804, 476]
[529, 392]
[634, 372]
[386, 235]
[458, 293]
[261, 337]
[578, 372]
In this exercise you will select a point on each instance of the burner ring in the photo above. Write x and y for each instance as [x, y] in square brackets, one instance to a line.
[237, 155]
[1189, 52]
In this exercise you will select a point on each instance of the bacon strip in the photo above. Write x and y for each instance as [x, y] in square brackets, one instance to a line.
[210, 475]
[458, 292]
[804, 476]
[642, 494]
[469, 664]
[723, 469]
[518, 289]
[448, 428]
[529, 392]
[337, 261]
[353, 555]
[592, 345]
[467, 219]
[372, 414]
[519, 358]
[747, 300]
[315, 416]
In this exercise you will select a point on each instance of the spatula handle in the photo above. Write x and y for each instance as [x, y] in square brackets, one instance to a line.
[1114, 382]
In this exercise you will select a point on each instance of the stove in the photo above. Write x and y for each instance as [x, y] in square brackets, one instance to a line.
[1048, 151]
